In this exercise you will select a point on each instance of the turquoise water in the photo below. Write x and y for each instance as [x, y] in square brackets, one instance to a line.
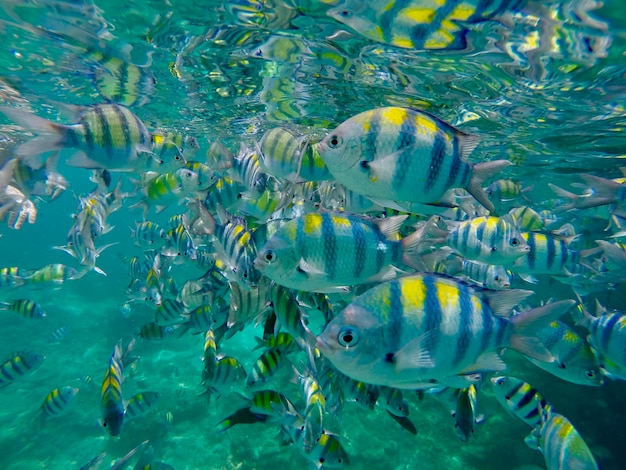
[542, 87]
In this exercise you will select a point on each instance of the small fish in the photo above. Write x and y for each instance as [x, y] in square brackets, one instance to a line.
[281, 154]
[108, 135]
[490, 276]
[111, 391]
[560, 443]
[607, 336]
[547, 254]
[491, 240]
[154, 332]
[465, 413]
[169, 312]
[266, 366]
[11, 277]
[24, 307]
[18, 365]
[441, 328]
[405, 155]
[392, 400]
[149, 235]
[226, 374]
[59, 401]
[327, 251]
[327, 452]
[519, 398]
[140, 403]
[54, 274]
[575, 360]
[59, 333]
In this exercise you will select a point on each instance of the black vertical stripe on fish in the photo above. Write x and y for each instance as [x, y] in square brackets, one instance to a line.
[360, 248]
[564, 254]
[437, 156]
[89, 136]
[404, 145]
[432, 312]
[468, 170]
[455, 164]
[551, 242]
[487, 326]
[511, 393]
[369, 152]
[532, 253]
[463, 335]
[105, 129]
[396, 314]
[330, 245]
[607, 331]
[125, 128]
[527, 398]
[480, 233]
[464, 235]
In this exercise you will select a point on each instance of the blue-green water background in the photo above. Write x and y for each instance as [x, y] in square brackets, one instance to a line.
[556, 114]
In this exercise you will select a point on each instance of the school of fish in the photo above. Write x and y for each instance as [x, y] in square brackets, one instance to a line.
[380, 256]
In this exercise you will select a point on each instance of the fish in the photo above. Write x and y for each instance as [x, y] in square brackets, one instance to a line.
[519, 398]
[575, 360]
[547, 254]
[281, 154]
[59, 401]
[25, 308]
[489, 276]
[109, 136]
[607, 337]
[491, 240]
[139, 404]
[328, 251]
[266, 366]
[419, 24]
[406, 155]
[148, 235]
[409, 330]
[465, 413]
[112, 403]
[560, 443]
[19, 364]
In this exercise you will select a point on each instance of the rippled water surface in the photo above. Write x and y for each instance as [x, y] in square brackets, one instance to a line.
[542, 83]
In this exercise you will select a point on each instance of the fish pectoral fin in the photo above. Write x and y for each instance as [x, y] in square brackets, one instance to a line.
[415, 354]
[489, 361]
[382, 165]
[79, 159]
[308, 269]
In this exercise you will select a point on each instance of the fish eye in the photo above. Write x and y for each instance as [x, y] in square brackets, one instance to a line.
[177, 157]
[348, 337]
[496, 278]
[269, 256]
[500, 381]
[514, 241]
[344, 13]
[334, 141]
[591, 374]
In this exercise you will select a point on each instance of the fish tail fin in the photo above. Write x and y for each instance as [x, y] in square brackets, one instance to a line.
[483, 171]
[420, 242]
[573, 198]
[52, 135]
[526, 324]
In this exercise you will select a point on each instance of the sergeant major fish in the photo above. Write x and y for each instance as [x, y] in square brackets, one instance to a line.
[404, 332]
[406, 155]
[109, 136]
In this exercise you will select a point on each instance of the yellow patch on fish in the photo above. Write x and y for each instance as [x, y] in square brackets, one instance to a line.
[419, 15]
[448, 296]
[312, 224]
[340, 221]
[395, 116]
[413, 293]
[462, 12]
[425, 125]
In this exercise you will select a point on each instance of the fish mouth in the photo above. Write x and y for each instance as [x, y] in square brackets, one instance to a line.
[323, 346]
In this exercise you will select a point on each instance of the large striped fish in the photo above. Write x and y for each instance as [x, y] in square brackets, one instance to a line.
[407, 331]
[108, 135]
[405, 155]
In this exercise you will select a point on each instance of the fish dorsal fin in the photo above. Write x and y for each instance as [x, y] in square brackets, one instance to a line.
[467, 144]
